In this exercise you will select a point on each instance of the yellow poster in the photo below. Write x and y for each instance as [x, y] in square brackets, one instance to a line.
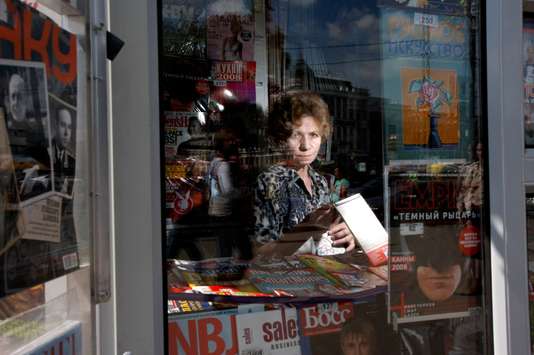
[429, 107]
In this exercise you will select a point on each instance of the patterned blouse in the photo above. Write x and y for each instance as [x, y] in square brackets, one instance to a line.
[282, 201]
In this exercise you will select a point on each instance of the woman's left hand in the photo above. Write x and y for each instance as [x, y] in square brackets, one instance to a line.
[341, 236]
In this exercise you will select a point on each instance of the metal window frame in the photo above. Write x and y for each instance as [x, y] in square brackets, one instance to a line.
[509, 292]
[137, 306]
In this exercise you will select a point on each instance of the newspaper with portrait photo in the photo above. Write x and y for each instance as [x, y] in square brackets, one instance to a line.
[38, 104]
[25, 104]
[62, 149]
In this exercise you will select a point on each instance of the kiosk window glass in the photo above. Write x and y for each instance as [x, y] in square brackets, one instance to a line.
[318, 156]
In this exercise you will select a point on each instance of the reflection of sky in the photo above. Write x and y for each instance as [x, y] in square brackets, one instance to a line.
[336, 38]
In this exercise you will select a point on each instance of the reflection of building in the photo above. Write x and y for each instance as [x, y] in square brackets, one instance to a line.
[356, 115]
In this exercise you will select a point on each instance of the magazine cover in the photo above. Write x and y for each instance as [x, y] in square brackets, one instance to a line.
[295, 280]
[222, 276]
[345, 328]
[302, 282]
[186, 194]
[186, 306]
[273, 332]
[184, 132]
[234, 81]
[231, 30]
[213, 332]
[39, 100]
[342, 274]
[427, 102]
[449, 7]
[435, 245]
[184, 28]
[528, 80]
[176, 283]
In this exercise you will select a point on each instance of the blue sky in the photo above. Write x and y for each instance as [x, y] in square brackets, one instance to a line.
[338, 36]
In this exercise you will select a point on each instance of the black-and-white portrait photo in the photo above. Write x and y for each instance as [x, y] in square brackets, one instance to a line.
[23, 88]
[62, 149]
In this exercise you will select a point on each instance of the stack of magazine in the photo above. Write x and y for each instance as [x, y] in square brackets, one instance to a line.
[291, 277]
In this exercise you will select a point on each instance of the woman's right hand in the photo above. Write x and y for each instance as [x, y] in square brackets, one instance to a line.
[341, 236]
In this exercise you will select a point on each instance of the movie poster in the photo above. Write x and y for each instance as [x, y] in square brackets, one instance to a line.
[38, 85]
[184, 28]
[528, 80]
[231, 30]
[435, 244]
[428, 102]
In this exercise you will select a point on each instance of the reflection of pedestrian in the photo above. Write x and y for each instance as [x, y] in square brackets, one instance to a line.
[222, 180]
[341, 185]
[232, 48]
[64, 162]
[286, 193]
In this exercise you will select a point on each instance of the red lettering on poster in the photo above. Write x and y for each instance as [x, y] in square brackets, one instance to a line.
[214, 337]
[38, 45]
[68, 58]
[24, 43]
[176, 337]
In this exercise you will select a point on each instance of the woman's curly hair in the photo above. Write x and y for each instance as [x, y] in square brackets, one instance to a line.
[290, 109]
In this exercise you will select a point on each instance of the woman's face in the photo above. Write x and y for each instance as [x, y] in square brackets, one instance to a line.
[438, 286]
[305, 141]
